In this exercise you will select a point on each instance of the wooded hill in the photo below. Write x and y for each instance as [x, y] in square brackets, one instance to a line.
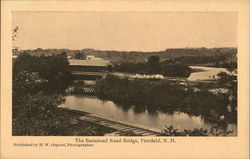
[138, 56]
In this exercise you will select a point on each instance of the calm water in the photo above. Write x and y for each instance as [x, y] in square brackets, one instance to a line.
[151, 120]
[154, 120]
[207, 73]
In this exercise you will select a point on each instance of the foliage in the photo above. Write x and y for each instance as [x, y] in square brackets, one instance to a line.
[80, 55]
[229, 82]
[53, 68]
[129, 67]
[214, 131]
[38, 115]
[162, 95]
[139, 57]
[37, 84]
[193, 60]
[14, 33]
[34, 111]
[154, 66]
[176, 70]
[14, 36]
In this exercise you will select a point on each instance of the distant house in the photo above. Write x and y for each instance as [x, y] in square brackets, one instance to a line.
[90, 65]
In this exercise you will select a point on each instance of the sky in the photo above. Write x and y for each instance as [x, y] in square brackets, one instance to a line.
[125, 31]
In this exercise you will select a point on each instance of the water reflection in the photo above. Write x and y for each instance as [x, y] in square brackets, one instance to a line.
[138, 115]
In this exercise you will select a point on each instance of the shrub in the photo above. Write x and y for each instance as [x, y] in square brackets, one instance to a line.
[214, 131]
[37, 82]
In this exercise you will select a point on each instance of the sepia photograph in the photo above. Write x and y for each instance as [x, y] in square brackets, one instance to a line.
[125, 79]
[124, 73]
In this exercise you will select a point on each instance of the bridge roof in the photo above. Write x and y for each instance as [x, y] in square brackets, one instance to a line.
[99, 62]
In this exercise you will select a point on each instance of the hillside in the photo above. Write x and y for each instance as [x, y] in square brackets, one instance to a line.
[137, 56]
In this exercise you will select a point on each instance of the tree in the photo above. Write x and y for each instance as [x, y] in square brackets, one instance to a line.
[175, 70]
[80, 55]
[229, 81]
[154, 63]
[14, 35]
[34, 111]
[53, 68]
[37, 85]
[153, 60]
[63, 53]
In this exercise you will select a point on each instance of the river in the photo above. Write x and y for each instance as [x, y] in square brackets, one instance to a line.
[155, 120]
[206, 73]
[152, 120]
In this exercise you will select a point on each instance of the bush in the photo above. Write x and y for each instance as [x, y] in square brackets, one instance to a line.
[214, 131]
[54, 69]
[37, 82]
[176, 70]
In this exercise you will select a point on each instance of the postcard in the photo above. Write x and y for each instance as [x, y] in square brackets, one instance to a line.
[124, 79]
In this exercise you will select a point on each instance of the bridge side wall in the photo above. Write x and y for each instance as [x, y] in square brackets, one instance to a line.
[89, 68]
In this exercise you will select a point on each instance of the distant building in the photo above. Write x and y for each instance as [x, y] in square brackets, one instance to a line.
[91, 64]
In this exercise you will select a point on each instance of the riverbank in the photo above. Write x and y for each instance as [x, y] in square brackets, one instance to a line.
[79, 127]
[86, 124]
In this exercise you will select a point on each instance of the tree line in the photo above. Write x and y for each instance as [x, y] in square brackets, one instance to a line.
[215, 60]
[138, 56]
[155, 66]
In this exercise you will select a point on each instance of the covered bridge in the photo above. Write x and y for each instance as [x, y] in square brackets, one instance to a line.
[99, 65]
[89, 69]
